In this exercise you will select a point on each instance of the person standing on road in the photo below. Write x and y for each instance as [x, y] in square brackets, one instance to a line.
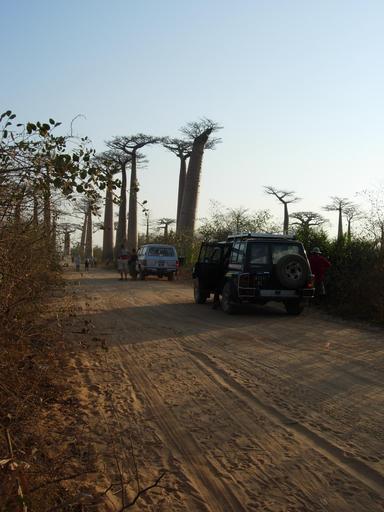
[319, 265]
[122, 262]
[132, 264]
[86, 264]
[221, 271]
[77, 260]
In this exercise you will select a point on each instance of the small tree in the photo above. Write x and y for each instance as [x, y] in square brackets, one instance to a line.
[374, 221]
[226, 221]
[286, 197]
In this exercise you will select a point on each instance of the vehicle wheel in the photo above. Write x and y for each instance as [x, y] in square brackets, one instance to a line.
[199, 294]
[141, 275]
[293, 307]
[171, 276]
[292, 271]
[228, 299]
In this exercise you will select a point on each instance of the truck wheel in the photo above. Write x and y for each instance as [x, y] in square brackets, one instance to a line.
[292, 271]
[293, 307]
[199, 294]
[228, 299]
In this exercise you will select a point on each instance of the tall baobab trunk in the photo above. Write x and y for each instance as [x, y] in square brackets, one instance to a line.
[67, 243]
[182, 179]
[132, 213]
[286, 219]
[349, 230]
[35, 210]
[382, 239]
[83, 235]
[47, 213]
[340, 226]
[191, 189]
[47, 206]
[108, 225]
[17, 213]
[54, 232]
[147, 231]
[121, 233]
[48, 228]
[88, 238]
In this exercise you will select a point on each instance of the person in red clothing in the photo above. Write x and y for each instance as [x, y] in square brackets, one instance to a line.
[319, 265]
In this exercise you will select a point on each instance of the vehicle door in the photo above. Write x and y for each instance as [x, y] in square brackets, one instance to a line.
[259, 265]
[209, 267]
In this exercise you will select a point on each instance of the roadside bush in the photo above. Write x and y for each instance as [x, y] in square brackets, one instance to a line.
[355, 282]
[27, 268]
[312, 237]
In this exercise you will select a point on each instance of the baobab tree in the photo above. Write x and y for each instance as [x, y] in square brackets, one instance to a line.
[307, 220]
[111, 162]
[286, 197]
[164, 224]
[351, 213]
[121, 160]
[67, 228]
[182, 149]
[199, 133]
[129, 146]
[338, 204]
[87, 207]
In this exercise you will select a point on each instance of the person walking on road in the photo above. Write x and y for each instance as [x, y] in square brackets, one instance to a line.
[319, 266]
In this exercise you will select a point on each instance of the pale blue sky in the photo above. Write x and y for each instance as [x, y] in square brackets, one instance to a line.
[297, 85]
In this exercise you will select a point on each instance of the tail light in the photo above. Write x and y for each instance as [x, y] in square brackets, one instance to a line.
[311, 281]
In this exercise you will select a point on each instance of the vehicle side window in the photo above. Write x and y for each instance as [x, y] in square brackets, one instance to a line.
[216, 255]
[205, 254]
[280, 250]
[258, 254]
[241, 253]
[234, 252]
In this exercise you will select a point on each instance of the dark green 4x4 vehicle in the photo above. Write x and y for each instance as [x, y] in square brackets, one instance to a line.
[256, 268]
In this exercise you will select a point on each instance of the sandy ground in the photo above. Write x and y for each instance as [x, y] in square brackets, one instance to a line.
[254, 412]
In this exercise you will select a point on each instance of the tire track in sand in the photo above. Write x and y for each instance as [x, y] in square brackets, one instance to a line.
[216, 495]
[358, 469]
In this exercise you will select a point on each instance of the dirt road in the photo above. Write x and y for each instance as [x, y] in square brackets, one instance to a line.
[258, 411]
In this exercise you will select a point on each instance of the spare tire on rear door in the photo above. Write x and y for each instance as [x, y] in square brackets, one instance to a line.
[292, 271]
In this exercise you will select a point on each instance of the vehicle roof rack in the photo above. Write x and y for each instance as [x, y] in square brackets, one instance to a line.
[249, 235]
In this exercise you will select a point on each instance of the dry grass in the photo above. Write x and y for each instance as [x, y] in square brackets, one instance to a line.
[36, 454]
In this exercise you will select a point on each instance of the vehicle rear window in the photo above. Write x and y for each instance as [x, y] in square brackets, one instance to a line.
[258, 254]
[280, 250]
[161, 251]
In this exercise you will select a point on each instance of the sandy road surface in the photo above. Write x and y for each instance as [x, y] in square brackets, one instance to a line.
[258, 411]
